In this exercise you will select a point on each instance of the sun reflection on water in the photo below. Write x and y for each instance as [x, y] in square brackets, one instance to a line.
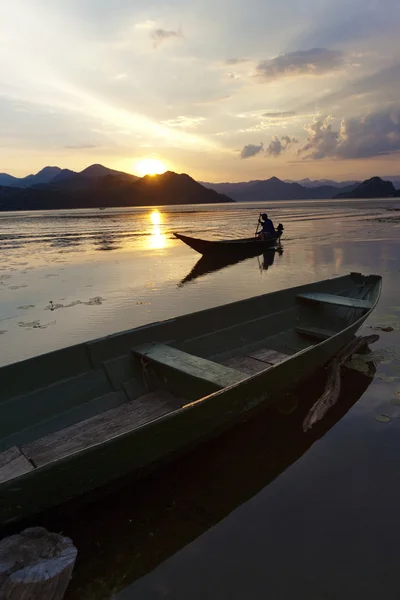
[158, 239]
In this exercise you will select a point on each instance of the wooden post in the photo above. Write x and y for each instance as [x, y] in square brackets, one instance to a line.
[35, 565]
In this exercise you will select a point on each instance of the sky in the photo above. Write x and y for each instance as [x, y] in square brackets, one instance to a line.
[224, 90]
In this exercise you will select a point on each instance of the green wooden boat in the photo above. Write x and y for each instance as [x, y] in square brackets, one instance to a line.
[76, 419]
[185, 498]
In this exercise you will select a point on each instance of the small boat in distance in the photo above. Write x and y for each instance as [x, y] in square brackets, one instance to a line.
[79, 418]
[243, 247]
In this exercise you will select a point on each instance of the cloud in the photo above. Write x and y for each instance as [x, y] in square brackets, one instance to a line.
[279, 115]
[236, 61]
[316, 61]
[184, 121]
[162, 35]
[80, 146]
[374, 134]
[279, 145]
[322, 140]
[251, 150]
[380, 87]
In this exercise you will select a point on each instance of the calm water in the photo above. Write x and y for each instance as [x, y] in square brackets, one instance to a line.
[67, 276]
[264, 511]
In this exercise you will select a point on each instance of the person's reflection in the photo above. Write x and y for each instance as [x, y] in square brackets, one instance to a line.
[269, 257]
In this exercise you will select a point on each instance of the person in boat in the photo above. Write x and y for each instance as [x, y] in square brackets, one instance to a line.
[267, 227]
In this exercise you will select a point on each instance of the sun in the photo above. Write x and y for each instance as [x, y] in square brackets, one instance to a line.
[150, 166]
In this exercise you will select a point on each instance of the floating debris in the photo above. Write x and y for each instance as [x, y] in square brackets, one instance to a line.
[3, 331]
[382, 418]
[386, 378]
[35, 324]
[96, 301]
[386, 323]
[361, 363]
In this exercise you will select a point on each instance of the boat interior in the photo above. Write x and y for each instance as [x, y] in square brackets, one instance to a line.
[71, 399]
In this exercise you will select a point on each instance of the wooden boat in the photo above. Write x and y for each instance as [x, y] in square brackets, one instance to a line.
[182, 500]
[244, 247]
[75, 419]
[210, 263]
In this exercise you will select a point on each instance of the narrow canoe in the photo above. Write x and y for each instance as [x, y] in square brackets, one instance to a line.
[247, 246]
[74, 420]
[227, 472]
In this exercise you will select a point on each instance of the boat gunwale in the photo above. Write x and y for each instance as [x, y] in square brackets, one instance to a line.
[210, 397]
[90, 343]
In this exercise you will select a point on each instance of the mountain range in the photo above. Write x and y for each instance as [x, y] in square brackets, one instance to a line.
[276, 189]
[98, 186]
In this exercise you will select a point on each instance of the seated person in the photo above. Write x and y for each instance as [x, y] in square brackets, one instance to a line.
[268, 229]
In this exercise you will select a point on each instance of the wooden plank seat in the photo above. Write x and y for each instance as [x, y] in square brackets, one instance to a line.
[315, 332]
[335, 300]
[215, 374]
[13, 464]
[255, 362]
[102, 427]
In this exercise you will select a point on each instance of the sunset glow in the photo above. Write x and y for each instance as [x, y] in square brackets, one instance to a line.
[149, 166]
[155, 217]
[291, 90]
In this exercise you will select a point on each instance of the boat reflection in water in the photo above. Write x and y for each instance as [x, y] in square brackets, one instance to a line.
[210, 263]
[128, 533]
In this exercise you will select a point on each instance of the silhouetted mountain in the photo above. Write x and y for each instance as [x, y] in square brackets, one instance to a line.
[63, 175]
[371, 188]
[70, 180]
[312, 183]
[273, 189]
[118, 189]
[44, 176]
[230, 189]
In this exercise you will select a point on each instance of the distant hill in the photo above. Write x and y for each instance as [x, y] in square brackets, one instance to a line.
[44, 176]
[71, 180]
[371, 188]
[274, 189]
[312, 183]
[98, 187]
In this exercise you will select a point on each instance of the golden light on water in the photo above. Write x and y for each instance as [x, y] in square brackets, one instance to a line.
[158, 239]
[149, 166]
[155, 217]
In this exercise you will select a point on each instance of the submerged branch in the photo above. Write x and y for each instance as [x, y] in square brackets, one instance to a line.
[332, 387]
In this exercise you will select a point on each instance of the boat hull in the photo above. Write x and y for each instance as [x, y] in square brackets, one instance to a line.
[163, 438]
[242, 247]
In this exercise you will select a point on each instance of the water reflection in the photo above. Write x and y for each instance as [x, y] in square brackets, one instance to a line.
[213, 263]
[268, 258]
[128, 533]
[158, 239]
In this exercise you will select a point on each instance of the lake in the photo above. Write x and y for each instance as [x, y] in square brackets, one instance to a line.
[265, 510]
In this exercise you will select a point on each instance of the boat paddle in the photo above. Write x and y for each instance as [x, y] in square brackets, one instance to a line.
[258, 224]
